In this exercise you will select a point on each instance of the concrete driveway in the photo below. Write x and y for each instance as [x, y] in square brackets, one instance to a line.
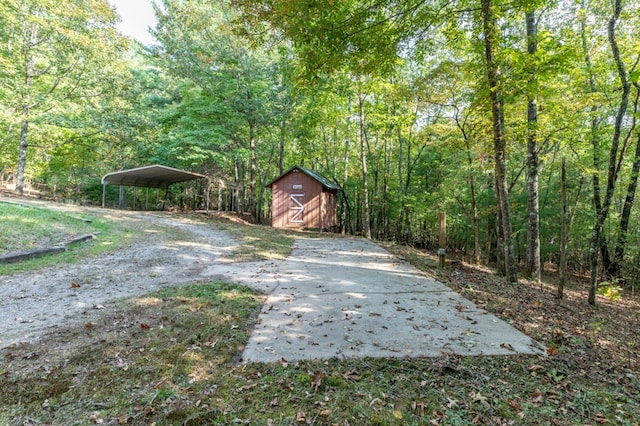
[336, 297]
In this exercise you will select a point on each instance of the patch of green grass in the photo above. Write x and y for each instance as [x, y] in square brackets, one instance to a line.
[259, 242]
[113, 231]
[34, 227]
[26, 227]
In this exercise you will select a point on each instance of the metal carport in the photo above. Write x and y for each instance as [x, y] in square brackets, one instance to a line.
[155, 176]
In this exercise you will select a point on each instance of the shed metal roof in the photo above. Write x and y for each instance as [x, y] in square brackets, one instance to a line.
[155, 176]
[312, 173]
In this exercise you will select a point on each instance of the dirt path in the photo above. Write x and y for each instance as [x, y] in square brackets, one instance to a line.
[33, 303]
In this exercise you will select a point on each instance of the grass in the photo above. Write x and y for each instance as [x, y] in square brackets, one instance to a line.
[26, 227]
[145, 360]
[256, 242]
[173, 358]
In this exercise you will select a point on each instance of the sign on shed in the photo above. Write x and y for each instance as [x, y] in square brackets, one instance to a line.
[303, 198]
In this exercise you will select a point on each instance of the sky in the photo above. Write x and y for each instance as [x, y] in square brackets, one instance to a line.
[137, 16]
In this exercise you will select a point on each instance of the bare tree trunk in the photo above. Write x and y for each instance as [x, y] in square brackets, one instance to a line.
[618, 259]
[22, 150]
[564, 237]
[366, 214]
[253, 166]
[26, 108]
[595, 141]
[281, 149]
[346, 219]
[612, 176]
[533, 217]
[475, 222]
[499, 144]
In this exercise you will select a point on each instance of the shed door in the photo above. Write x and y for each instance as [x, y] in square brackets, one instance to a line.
[297, 208]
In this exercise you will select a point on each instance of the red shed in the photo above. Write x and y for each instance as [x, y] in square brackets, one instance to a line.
[303, 198]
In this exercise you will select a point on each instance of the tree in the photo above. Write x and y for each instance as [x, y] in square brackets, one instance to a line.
[197, 44]
[615, 156]
[53, 55]
[533, 205]
[499, 143]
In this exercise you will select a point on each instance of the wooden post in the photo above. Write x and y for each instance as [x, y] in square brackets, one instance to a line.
[443, 238]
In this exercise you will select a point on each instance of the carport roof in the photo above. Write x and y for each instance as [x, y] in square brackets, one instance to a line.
[155, 176]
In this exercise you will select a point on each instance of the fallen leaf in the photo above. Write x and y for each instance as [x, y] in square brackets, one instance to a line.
[249, 386]
[397, 414]
[515, 405]
[144, 326]
[536, 397]
[95, 417]
[506, 346]
[89, 325]
[552, 351]
[316, 379]
[301, 417]
[600, 418]
[535, 367]
[478, 397]
[351, 375]
[75, 285]
[284, 362]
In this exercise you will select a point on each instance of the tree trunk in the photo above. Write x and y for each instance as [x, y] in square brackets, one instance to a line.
[366, 214]
[533, 217]
[564, 238]
[22, 151]
[618, 259]
[595, 141]
[252, 173]
[612, 176]
[346, 219]
[26, 108]
[475, 222]
[499, 144]
[281, 148]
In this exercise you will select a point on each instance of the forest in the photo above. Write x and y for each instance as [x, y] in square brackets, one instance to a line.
[516, 118]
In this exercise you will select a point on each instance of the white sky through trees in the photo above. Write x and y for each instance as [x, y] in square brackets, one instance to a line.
[137, 16]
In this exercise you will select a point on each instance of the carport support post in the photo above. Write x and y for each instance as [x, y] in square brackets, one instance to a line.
[443, 238]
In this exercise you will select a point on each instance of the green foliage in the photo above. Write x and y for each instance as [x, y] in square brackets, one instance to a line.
[610, 289]
[280, 81]
[56, 60]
